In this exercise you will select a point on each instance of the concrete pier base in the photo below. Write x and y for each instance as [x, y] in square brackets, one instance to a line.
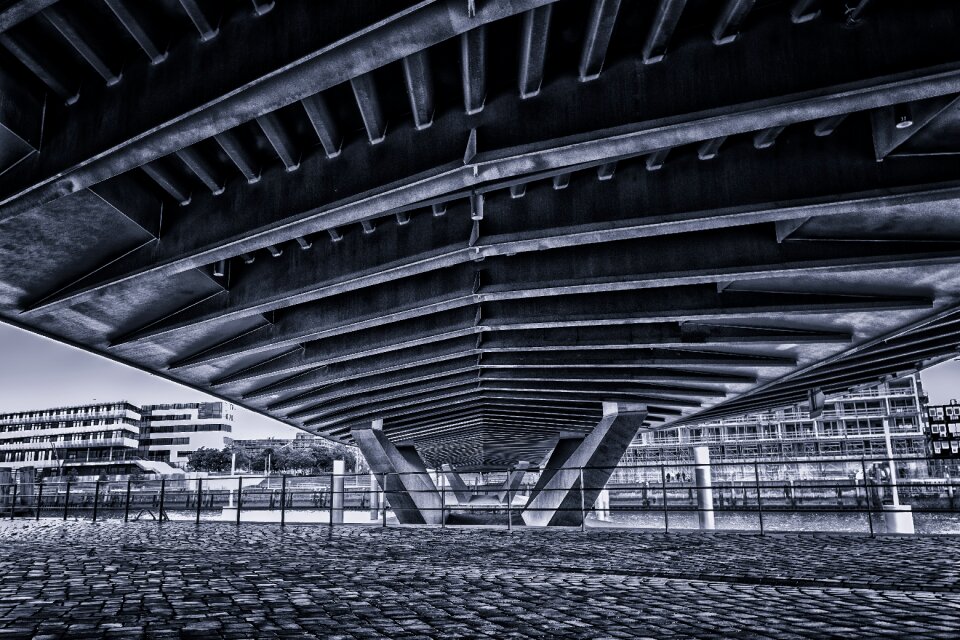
[704, 481]
[408, 488]
[558, 499]
[898, 518]
[336, 492]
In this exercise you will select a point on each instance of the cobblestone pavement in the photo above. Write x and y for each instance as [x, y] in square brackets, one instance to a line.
[137, 580]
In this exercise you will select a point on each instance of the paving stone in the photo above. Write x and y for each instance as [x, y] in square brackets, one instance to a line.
[170, 580]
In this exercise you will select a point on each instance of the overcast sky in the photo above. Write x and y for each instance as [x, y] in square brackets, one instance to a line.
[36, 373]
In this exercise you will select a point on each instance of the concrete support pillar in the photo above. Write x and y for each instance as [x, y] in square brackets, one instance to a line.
[514, 478]
[602, 506]
[27, 477]
[557, 497]
[410, 489]
[898, 518]
[6, 486]
[460, 489]
[704, 482]
[336, 509]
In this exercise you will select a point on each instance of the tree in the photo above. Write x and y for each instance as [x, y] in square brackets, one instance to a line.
[277, 457]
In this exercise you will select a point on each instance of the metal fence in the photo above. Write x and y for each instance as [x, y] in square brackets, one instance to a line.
[858, 495]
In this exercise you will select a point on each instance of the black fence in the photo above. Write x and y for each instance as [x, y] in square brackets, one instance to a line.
[869, 495]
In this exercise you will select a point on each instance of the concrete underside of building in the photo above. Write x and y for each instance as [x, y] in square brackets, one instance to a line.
[443, 583]
[474, 223]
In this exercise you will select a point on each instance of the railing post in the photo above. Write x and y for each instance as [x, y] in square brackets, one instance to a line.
[13, 505]
[583, 510]
[509, 499]
[163, 492]
[330, 515]
[199, 497]
[866, 494]
[39, 497]
[337, 493]
[126, 505]
[66, 501]
[663, 486]
[756, 481]
[283, 500]
[239, 498]
[383, 502]
[96, 499]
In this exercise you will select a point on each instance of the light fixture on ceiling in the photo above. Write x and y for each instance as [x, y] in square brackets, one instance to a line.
[903, 116]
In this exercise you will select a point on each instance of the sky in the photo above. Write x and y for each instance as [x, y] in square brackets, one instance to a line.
[37, 372]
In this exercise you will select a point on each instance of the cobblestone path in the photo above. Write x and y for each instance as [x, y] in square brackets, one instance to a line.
[83, 580]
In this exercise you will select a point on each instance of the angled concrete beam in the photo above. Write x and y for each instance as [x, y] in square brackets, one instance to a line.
[345, 44]
[742, 253]
[67, 88]
[560, 499]
[436, 292]
[82, 45]
[664, 24]
[207, 29]
[513, 480]
[323, 123]
[197, 238]
[459, 487]
[827, 126]
[533, 49]
[804, 11]
[409, 489]
[473, 69]
[203, 169]
[416, 75]
[734, 12]
[140, 33]
[368, 102]
[461, 322]
[169, 182]
[344, 410]
[603, 17]
[13, 13]
[239, 156]
[280, 140]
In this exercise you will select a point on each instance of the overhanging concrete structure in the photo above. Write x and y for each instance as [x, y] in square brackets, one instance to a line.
[477, 220]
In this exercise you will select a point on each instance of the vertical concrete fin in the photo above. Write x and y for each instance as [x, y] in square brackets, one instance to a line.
[460, 489]
[512, 483]
[409, 488]
[556, 500]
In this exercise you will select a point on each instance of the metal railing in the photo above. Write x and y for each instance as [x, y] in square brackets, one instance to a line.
[762, 496]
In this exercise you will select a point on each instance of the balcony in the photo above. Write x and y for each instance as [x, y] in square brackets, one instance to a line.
[74, 444]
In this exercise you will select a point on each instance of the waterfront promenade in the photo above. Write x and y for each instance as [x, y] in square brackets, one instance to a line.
[137, 580]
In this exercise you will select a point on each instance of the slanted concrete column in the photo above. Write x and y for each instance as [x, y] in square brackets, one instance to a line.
[514, 478]
[459, 487]
[27, 476]
[410, 489]
[564, 448]
[336, 496]
[704, 482]
[557, 500]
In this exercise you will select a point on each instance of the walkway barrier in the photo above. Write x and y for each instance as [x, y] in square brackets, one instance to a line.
[870, 495]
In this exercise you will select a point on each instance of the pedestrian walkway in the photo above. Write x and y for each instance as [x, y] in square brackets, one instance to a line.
[174, 580]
